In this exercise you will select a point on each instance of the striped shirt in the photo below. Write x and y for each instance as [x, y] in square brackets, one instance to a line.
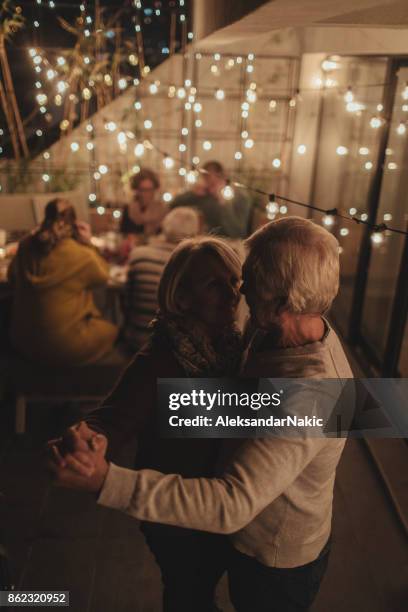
[146, 265]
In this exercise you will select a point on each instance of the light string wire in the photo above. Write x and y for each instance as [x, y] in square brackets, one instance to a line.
[381, 227]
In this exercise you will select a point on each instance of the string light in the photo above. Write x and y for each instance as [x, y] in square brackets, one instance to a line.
[342, 150]
[401, 129]
[375, 122]
[364, 150]
[228, 192]
[167, 197]
[191, 177]
[168, 162]
[207, 145]
[349, 96]
[368, 165]
[302, 149]
[354, 107]
[276, 163]
[328, 65]
[74, 147]
[139, 150]
[272, 208]
[219, 94]
[377, 238]
[328, 220]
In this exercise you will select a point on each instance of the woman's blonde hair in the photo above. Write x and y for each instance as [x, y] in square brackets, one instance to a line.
[294, 263]
[179, 269]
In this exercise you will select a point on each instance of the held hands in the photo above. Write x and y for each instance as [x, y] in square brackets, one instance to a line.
[77, 459]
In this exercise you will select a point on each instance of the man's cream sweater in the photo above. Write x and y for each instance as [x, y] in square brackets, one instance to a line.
[274, 495]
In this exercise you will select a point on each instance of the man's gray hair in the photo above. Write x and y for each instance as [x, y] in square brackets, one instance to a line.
[295, 263]
[181, 223]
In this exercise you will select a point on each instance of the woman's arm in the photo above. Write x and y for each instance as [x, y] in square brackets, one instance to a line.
[124, 413]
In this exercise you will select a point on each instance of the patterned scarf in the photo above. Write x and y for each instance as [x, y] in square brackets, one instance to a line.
[195, 352]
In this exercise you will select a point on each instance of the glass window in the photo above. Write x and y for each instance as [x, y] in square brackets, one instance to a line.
[393, 209]
[403, 361]
[348, 151]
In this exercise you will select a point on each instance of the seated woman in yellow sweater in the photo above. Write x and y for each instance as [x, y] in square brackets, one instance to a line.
[54, 318]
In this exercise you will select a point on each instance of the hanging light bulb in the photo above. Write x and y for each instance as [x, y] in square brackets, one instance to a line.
[251, 96]
[401, 129]
[197, 108]
[167, 196]
[219, 94]
[207, 146]
[139, 150]
[330, 64]
[153, 88]
[301, 149]
[191, 177]
[349, 96]
[364, 150]
[354, 107]
[342, 150]
[328, 220]
[74, 146]
[276, 163]
[228, 192]
[377, 238]
[272, 106]
[181, 93]
[375, 122]
[272, 208]
[168, 162]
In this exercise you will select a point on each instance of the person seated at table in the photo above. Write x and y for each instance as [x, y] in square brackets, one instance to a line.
[143, 216]
[146, 266]
[224, 217]
[54, 319]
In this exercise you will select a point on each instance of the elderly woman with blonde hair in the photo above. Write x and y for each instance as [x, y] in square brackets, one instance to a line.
[193, 335]
[272, 496]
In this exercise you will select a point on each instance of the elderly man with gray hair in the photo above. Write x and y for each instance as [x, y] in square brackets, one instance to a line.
[273, 495]
[146, 264]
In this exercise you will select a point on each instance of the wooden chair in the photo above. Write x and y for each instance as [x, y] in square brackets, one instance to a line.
[36, 383]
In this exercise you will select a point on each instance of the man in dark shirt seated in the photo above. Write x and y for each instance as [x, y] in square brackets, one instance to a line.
[222, 214]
